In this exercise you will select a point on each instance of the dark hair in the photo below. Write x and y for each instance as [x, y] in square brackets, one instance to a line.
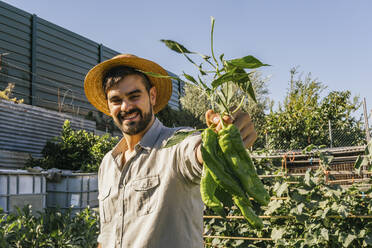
[118, 73]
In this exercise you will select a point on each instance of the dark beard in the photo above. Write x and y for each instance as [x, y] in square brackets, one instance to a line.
[135, 127]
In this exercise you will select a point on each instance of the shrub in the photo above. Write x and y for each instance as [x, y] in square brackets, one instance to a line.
[74, 150]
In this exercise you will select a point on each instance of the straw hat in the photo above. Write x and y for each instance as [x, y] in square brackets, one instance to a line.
[93, 81]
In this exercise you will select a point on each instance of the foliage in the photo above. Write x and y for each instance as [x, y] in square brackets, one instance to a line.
[303, 118]
[103, 122]
[195, 102]
[364, 160]
[51, 228]
[175, 118]
[74, 150]
[6, 94]
[304, 212]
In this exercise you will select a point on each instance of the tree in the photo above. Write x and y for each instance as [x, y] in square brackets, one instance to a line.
[179, 118]
[304, 116]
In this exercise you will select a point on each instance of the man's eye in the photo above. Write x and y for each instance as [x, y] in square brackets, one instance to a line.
[116, 101]
[134, 97]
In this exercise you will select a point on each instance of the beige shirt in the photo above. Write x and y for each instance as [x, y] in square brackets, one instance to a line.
[153, 200]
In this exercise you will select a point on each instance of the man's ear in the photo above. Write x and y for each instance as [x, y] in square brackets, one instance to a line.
[152, 94]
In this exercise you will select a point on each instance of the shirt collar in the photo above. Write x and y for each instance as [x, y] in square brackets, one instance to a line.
[148, 140]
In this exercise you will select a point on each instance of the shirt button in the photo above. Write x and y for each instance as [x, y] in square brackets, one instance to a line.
[121, 185]
[120, 214]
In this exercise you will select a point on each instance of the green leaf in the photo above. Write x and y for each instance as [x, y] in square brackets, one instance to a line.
[324, 233]
[157, 75]
[361, 161]
[221, 58]
[301, 217]
[303, 191]
[326, 160]
[349, 239]
[273, 205]
[190, 78]
[175, 46]
[237, 243]
[250, 92]
[227, 77]
[178, 137]
[228, 91]
[307, 178]
[323, 204]
[362, 233]
[358, 163]
[342, 211]
[247, 62]
[277, 233]
[309, 148]
[281, 189]
[368, 239]
[368, 150]
[325, 212]
[206, 88]
[299, 208]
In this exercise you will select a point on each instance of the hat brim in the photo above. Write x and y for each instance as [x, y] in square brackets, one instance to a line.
[93, 81]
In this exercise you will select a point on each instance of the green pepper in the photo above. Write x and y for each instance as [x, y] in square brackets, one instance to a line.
[248, 212]
[224, 197]
[207, 189]
[216, 164]
[228, 186]
[238, 158]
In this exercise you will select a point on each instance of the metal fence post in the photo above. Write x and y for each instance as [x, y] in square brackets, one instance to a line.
[330, 133]
[366, 126]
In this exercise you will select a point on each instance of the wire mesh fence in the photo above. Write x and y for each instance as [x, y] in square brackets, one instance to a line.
[329, 138]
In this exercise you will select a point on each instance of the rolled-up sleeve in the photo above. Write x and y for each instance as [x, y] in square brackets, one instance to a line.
[188, 165]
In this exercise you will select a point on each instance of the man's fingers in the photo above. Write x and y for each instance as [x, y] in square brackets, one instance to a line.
[247, 130]
[242, 120]
[249, 141]
[236, 114]
[209, 116]
[213, 118]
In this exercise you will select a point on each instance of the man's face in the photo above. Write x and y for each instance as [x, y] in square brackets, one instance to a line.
[131, 105]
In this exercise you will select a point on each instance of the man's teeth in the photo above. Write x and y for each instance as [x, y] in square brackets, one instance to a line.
[130, 116]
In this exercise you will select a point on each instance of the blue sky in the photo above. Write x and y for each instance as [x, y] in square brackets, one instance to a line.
[331, 39]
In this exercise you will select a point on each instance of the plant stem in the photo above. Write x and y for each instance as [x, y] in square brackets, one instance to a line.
[214, 58]
[204, 57]
[239, 106]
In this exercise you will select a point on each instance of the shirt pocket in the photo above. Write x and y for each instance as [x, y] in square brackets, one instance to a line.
[146, 191]
[105, 209]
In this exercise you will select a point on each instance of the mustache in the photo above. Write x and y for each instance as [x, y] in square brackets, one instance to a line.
[124, 114]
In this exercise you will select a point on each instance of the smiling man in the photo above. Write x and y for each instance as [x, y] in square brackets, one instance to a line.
[149, 196]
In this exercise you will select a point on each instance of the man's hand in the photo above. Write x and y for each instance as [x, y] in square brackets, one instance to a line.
[240, 119]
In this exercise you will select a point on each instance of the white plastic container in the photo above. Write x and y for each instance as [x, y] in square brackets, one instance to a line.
[20, 188]
[74, 190]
